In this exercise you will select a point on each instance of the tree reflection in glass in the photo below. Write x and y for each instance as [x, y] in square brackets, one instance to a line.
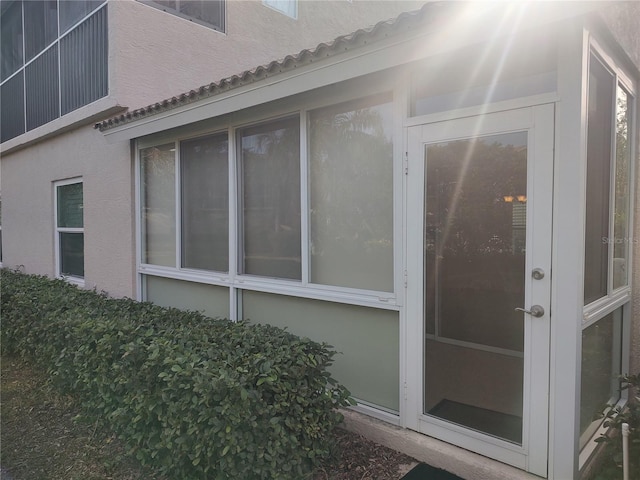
[351, 194]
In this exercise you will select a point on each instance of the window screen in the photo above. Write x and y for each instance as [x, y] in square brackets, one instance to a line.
[40, 26]
[351, 194]
[204, 167]
[270, 176]
[11, 41]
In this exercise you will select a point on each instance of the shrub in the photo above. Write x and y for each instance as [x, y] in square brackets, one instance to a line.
[194, 397]
[614, 418]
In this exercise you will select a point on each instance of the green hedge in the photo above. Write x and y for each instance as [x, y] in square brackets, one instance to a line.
[194, 397]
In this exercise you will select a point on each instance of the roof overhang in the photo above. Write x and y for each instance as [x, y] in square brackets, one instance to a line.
[459, 28]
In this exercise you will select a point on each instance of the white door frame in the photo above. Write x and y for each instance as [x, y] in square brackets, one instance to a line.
[538, 121]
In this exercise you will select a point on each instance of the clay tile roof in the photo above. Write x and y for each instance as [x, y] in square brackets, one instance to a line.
[381, 30]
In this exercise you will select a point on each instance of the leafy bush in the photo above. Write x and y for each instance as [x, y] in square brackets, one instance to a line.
[611, 467]
[192, 396]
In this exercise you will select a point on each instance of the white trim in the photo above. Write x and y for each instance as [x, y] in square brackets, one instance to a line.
[270, 285]
[504, 105]
[140, 294]
[538, 122]
[177, 165]
[305, 225]
[475, 346]
[376, 411]
[603, 306]
[80, 281]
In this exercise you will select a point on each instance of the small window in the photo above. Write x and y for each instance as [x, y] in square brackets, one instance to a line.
[288, 7]
[210, 13]
[270, 198]
[69, 230]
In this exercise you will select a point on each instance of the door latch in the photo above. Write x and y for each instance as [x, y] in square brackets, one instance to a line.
[536, 311]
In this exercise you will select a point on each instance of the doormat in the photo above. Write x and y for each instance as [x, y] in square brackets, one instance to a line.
[423, 471]
[494, 423]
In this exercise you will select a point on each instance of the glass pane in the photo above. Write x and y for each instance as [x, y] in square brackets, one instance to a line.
[367, 339]
[270, 166]
[205, 203]
[72, 254]
[70, 205]
[209, 11]
[485, 74]
[601, 356]
[40, 26]
[351, 195]
[211, 300]
[11, 32]
[288, 7]
[475, 231]
[621, 215]
[599, 136]
[159, 205]
[72, 11]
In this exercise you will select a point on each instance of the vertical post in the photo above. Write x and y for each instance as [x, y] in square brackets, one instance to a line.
[567, 296]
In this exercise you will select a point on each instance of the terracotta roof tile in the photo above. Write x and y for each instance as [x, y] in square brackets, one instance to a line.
[384, 29]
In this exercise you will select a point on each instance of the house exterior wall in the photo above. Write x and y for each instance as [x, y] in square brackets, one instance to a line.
[140, 75]
[156, 55]
[152, 55]
[28, 207]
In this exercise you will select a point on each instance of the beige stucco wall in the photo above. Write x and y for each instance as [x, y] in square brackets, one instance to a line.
[152, 55]
[155, 55]
[28, 216]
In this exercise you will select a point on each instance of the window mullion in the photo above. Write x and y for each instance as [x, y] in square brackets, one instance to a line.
[612, 189]
[178, 204]
[304, 199]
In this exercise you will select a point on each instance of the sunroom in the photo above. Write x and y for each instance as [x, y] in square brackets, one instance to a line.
[446, 198]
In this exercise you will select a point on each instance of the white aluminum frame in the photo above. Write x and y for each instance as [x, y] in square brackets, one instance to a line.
[80, 281]
[538, 122]
[619, 298]
[233, 279]
[56, 42]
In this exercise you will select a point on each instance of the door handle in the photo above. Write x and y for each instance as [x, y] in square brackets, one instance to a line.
[536, 311]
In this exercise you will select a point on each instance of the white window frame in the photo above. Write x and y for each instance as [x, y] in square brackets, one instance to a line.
[619, 298]
[236, 281]
[80, 281]
[290, 11]
[176, 12]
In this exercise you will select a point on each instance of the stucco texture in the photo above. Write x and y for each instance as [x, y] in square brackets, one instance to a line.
[28, 207]
[154, 55]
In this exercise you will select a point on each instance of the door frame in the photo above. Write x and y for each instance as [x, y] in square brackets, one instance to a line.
[538, 121]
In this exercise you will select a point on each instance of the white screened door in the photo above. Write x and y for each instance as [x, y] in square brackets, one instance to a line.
[478, 291]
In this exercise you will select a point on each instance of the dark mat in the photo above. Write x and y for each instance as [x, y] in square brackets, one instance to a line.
[501, 425]
[423, 471]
